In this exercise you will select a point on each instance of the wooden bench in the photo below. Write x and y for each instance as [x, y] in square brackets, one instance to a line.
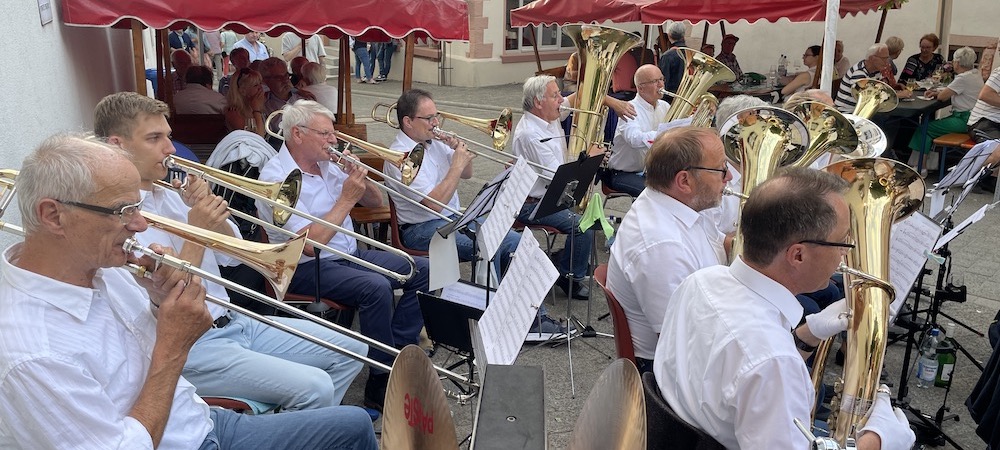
[956, 141]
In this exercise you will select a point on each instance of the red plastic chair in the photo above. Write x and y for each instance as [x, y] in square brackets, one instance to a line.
[623, 335]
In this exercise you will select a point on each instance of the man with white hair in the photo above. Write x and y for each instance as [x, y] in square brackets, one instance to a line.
[314, 75]
[876, 59]
[330, 192]
[963, 92]
[671, 63]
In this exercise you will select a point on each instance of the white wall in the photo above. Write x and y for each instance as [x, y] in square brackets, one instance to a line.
[51, 78]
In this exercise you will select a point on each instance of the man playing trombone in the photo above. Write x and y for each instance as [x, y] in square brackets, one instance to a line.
[330, 192]
[237, 357]
[91, 359]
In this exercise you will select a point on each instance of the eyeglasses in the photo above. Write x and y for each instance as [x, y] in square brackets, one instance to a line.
[658, 80]
[806, 55]
[125, 213]
[430, 118]
[723, 171]
[848, 245]
[322, 134]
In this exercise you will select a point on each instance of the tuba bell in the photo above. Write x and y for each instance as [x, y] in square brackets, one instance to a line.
[881, 192]
[700, 73]
[599, 48]
[762, 140]
[873, 97]
[829, 132]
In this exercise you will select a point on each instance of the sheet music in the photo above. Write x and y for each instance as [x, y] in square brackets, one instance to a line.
[470, 295]
[969, 166]
[443, 260]
[507, 206]
[910, 241]
[511, 311]
[975, 217]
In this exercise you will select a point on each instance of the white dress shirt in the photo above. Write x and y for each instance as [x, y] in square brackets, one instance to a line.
[167, 203]
[73, 361]
[660, 242]
[433, 169]
[258, 51]
[634, 137]
[726, 362]
[318, 195]
[526, 142]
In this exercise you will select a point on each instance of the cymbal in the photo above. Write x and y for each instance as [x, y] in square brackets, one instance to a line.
[416, 415]
[614, 416]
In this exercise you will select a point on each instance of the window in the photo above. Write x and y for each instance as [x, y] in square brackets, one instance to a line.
[547, 37]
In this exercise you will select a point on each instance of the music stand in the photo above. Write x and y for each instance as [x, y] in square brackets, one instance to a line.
[439, 320]
[568, 186]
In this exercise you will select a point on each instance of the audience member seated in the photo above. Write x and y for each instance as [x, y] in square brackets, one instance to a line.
[574, 68]
[984, 122]
[296, 67]
[314, 76]
[245, 102]
[274, 72]
[198, 97]
[922, 65]
[708, 49]
[663, 229]
[181, 62]
[726, 55]
[841, 63]
[963, 92]
[240, 59]
[876, 59]
[895, 44]
[804, 80]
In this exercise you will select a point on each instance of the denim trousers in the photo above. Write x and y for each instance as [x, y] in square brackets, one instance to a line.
[371, 293]
[631, 183]
[361, 57]
[332, 428]
[248, 359]
[565, 221]
[384, 57]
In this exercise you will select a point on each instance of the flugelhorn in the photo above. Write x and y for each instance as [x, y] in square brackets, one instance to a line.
[829, 132]
[881, 192]
[700, 73]
[281, 209]
[873, 96]
[408, 163]
[498, 129]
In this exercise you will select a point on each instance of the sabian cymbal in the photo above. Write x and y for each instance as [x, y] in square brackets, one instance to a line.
[614, 416]
[416, 415]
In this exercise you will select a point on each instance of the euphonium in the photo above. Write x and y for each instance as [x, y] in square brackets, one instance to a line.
[599, 48]
[829, 131]
[700, 73]
[761, 140]
[873, 97]
[882, 191]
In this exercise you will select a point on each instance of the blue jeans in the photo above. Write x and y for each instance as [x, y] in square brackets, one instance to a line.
[248, 359]
[631, 183]
[371, 293]
[361, 57]
[565, 221]
[383, 55]
[334, 428]
[418, 237]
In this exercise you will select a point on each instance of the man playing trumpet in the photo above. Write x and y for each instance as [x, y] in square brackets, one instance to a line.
[237, 356]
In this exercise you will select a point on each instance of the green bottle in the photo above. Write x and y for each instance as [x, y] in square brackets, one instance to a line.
[946, 363]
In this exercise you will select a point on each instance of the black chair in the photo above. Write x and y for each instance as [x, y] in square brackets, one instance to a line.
[666, 430]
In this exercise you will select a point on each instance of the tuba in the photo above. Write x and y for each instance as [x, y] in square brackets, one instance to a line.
[881, 192]
[700, 73]
[599, 48]
[873, 97]
[829, 131]
[762, 140]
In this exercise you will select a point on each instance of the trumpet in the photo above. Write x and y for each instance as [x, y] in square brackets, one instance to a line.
[281, 209]
[498, 129]
[274, 260]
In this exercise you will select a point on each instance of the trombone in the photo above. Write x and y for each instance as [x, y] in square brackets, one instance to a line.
[281, 209]
[498, 129]
[272, 262]
[385, 154]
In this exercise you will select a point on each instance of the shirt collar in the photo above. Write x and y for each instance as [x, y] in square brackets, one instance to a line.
[768, 290]
[408, 142]
[73, 300]
[683, 212]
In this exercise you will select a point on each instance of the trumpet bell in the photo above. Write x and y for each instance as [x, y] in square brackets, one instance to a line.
[408, 163]
[873, 97]
[498, 128]
[829, 131]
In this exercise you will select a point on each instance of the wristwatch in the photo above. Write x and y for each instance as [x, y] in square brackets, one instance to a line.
[801, 345]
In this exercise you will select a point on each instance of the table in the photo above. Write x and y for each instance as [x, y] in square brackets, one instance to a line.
[762, 91]
[918, 111]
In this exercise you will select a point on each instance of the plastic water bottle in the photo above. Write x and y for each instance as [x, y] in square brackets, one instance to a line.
[783, 66]
[927, 365]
